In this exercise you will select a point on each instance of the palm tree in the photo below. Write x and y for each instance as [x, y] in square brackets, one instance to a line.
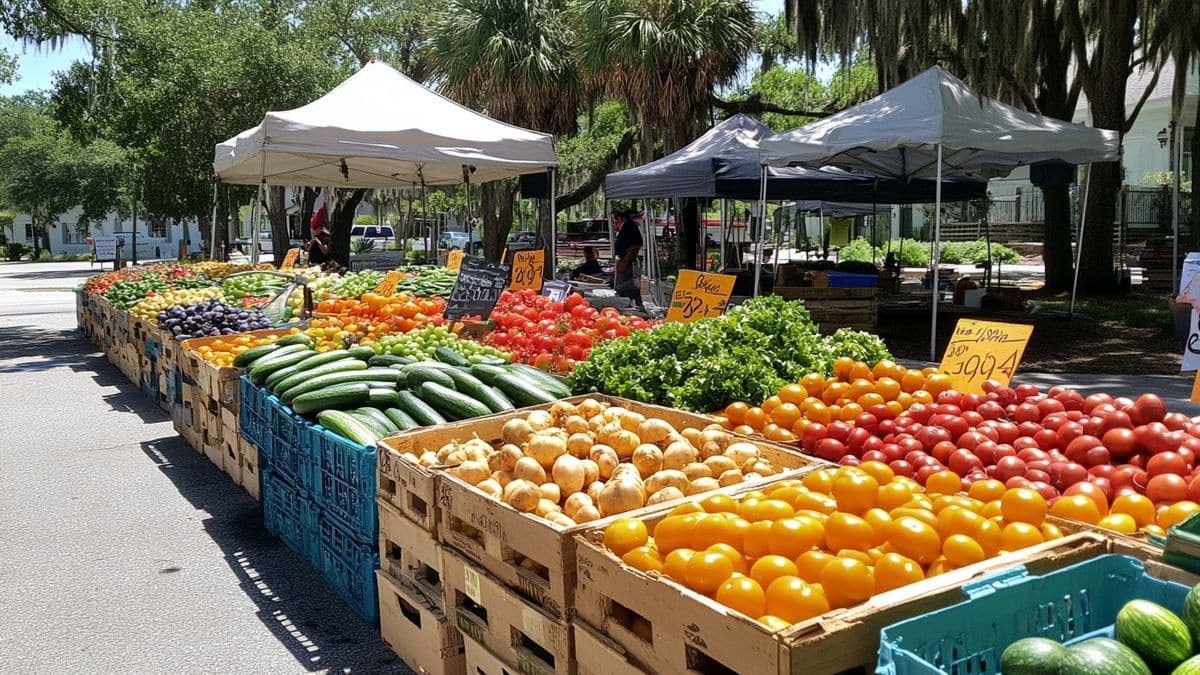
[513, 59]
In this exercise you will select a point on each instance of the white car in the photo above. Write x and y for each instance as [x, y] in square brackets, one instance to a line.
[265, 244]
[382, 235]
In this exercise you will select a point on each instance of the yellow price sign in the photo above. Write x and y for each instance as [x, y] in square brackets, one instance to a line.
[1196, 388]
[699, 295]
[527, 267]
[984, 350]
[454, 259]
[388, 285]
[289, 260]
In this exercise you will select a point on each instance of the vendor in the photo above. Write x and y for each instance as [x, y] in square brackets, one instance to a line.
[627, 247]
[591, 264]
[319, 245]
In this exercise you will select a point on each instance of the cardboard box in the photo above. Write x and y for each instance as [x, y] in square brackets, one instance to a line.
[521, 634]
[251, 480]
[482, 662]
[410, 554]
[418, 632]
[598, 655]
[404, 484]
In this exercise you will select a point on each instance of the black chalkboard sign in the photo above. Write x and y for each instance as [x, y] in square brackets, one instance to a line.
[477, 289]
[376, 261]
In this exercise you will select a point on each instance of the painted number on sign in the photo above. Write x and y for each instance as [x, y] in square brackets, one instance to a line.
[984, 350]
[699, 295]
[527, 267]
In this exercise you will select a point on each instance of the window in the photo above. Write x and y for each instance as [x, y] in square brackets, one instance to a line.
[1188, 163]
[158, 227]
[71, 235]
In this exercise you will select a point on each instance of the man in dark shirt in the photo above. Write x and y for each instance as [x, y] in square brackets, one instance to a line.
[590, 266]
[626, 280]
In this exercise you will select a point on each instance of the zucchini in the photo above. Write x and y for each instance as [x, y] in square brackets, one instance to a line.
[344, 364]
[420, 411]
[522, 391]
[544, 380]
[384, 360]
[367, 413]
[304, 366]
[295, 339]
[492, 397]
[251, 355]
[452, 404]
[347, 426]
[401, 419]
[381, 397]
[422, 373]
[447, 355]
[278, 361]
[331, 397]
[362, 353]
[487, 373]
[370, 375]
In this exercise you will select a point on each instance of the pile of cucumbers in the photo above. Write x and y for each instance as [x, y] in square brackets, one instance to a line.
[365, 396]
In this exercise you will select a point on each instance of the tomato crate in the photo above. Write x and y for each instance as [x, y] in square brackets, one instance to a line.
[289, 514]
[343, 475]
[1067, 605]
[348, 566]
[289, 444]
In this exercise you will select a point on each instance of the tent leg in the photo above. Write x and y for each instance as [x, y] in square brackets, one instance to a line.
[724, 215]
[1176, 170]
[552, 263]
[937, 251]
[762, 223]
[212, 239]
[256, 212]
[1087, 181]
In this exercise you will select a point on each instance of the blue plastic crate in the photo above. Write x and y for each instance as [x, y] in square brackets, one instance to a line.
[289, 514]
[848, 280]
[1069, 605]
[344, 482]
[253, 428]
[348, 566]
[289, 444]
[252, 396]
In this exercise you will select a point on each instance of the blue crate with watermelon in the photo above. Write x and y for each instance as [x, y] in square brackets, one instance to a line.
[1108, 614]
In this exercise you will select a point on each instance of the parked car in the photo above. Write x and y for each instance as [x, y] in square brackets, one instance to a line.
[527, 237]
[460, 240]
[265, 244]
[382, 235]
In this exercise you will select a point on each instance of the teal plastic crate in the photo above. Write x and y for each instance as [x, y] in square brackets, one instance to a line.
[1069, 605]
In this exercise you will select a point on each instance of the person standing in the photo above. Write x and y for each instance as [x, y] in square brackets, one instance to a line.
[590, 265]
[627, 247]
[319, 245]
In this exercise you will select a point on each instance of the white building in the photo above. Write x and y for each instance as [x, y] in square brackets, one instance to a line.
[164, 235]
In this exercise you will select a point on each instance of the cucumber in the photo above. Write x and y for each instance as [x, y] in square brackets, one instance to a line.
[420, 411]
[370, 375]
[452, 404]
[401, 419]
[377, 415]
[544, 380]
[382, 398]
[251, 355]
[389, 360]
[274, 362]
[304, 366]
[464, 381]
[363, 353]
[296, 339]
[447, 355]
[279, 352]
[487, 373]
[422, 373]
[342, 365]
[487, 360]
[492, 397]
[332, 397]
[522, 391]
[347, 426]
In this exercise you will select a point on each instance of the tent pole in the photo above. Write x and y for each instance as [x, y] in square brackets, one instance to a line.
[762, 223]
[467, 216]
[212, 240]
[937, 251]
[1087, 181]
[724, 215]
[256, 212]
[553, 262]
[874, 218]
[1176, 170]
[609, 221]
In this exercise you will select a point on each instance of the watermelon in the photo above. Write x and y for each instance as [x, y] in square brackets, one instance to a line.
[1191, 612]
[1189, 667]
[1102, 656]
[1155, 633]
[1033, 656]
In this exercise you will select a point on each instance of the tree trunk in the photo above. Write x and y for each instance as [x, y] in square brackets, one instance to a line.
[1056, 250]
[1194, 232]
[496, 205]
[341, 220]
[37, 236]
[308, 206]
[687, 231]
[547, 231]
[46, 239]
[1096, 268]
[277, 214]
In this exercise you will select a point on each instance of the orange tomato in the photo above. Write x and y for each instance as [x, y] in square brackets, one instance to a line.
[719, 504]
[792, 600]
[744, 595]
[854, 492]
[773, 623]
[786, 415]
[675, 564]
[644, 558]
[810, 564]
[1176, 513]
[892, 494]
[1076, 507]
[706, 571]
[793, 393]
[735, 556]
[842, 366]
[961, 550]
[986, 490]
[943, 483]
[756, 418]
[625, 534]
[1138, 506]
[846, 530]
[915, 539]
[1022, 505]
[713, 528]
[893, 570]
[1019, 535]
[791, 537]
[736, 412]
[820, 480]
[847, 582]
[674, 532]
[1119, 522]
[770, 567]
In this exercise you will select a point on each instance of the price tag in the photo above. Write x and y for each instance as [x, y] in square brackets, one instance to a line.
[527, 269]
[471, 581]
[557, 291]
[984, 350]
[454, 259]
[388, 285]
[289, 260]
[699, 295]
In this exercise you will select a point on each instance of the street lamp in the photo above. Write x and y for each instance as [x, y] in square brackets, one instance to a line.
[1162, 137]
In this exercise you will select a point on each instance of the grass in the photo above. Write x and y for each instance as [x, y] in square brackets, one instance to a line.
[1135, 311]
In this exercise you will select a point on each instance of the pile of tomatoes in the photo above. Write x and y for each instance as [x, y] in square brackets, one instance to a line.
[372, 316]
[555, 335]
[797, 548]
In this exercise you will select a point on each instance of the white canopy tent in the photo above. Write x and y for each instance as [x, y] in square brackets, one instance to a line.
[380, 129]
[935, 126]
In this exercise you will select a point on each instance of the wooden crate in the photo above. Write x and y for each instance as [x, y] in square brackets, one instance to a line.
[509, 543]
[480, 661]
[595, 654]
[251, 480]
[410, 554]
[521, 634]
[219, 383]
[404, 484]
[834, 308]
[418, 631]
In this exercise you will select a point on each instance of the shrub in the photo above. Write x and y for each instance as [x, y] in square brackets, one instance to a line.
[859, 250]
[973, 252]
[15, 250]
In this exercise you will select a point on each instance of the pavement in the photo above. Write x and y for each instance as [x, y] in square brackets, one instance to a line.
[123, 550]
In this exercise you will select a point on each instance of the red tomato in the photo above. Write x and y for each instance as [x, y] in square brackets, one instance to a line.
[1008, 467]
[1116, 419]
[1148, 408]
[1176, 421]
[901, 467]
[1121, 442]
[1066, 474]
[1077, 449]
[1193, 491]
[1167, 488]
[1166, 462]
[1094, 400]
[1154, 437]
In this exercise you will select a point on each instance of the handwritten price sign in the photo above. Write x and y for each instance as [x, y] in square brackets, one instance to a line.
[454, 259]
[390, 281]
[527, 269]
[699, 295]
[289, 260]
[984, 350]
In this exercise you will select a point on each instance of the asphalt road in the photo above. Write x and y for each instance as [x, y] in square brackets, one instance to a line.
[122, 549]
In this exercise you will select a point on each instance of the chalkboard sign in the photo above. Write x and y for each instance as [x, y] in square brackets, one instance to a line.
[557, 291]
[375, 261]
[477, 289]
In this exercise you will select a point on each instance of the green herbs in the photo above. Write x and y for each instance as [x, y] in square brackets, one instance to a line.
[858, 345]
